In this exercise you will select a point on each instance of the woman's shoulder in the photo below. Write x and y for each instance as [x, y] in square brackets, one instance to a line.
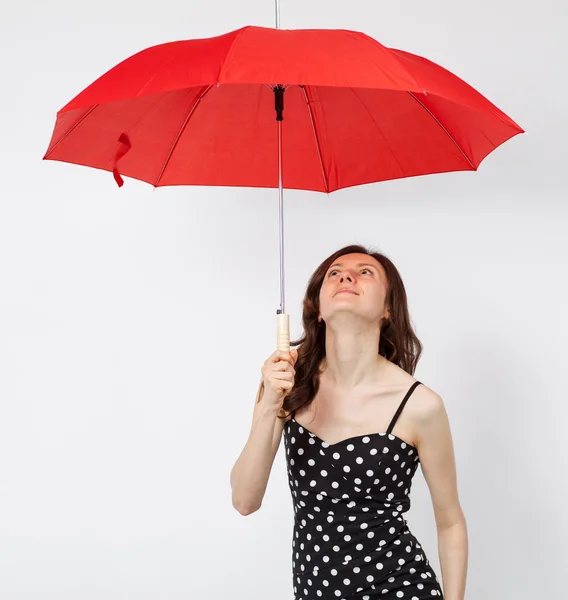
[427, 404]
[405, 380]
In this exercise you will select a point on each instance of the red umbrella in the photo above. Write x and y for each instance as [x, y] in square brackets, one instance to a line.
[202, 112]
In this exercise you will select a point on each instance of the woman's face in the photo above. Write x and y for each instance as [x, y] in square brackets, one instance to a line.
[354, 284]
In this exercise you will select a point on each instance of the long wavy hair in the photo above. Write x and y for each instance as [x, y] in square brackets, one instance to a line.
[398, 343]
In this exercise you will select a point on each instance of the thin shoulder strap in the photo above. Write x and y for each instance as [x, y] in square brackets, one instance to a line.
[401, 405]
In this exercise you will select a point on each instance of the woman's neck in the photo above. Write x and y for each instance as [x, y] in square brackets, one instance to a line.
[352, 358]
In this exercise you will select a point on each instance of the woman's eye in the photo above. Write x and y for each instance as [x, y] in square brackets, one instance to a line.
[362, 271]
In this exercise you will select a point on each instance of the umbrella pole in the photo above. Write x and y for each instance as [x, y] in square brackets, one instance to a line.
[283, 319]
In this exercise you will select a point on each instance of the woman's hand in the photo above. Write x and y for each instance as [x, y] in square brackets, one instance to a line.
[278, 377]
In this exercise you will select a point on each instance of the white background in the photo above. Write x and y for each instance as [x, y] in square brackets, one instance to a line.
[133, 322]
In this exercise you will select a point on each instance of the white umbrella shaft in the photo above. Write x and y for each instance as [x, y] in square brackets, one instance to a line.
[283, 320]
[283, 323]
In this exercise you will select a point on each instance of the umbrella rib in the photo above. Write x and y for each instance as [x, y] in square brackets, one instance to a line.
[180, 132]
[318, 146]
[67, 133]
[443, 129]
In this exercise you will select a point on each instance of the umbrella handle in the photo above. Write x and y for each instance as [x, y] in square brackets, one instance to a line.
[283, 343]
[283, 332]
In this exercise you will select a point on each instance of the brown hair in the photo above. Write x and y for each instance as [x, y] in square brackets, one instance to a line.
[398, 342]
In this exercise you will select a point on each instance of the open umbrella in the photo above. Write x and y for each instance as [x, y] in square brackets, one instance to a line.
[203, 112]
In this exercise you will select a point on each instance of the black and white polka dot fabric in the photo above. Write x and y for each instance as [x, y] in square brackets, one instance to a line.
[350, 540]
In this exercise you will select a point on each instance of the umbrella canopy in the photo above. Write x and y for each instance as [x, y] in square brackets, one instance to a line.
[202, 112]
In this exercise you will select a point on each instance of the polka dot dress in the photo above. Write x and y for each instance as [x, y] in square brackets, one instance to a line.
[350, 539]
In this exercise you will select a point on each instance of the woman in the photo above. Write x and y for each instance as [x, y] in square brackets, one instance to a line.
[356, 424]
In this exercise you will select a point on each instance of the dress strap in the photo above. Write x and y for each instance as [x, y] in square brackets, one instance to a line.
[401, 405]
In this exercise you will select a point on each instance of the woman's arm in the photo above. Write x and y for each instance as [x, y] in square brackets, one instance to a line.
[437, 460]
[249, 476]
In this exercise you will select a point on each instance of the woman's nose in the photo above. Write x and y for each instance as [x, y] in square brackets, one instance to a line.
[346, 276]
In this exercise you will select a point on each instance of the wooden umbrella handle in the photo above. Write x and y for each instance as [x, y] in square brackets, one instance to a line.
[282, 343]
[283, 332]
